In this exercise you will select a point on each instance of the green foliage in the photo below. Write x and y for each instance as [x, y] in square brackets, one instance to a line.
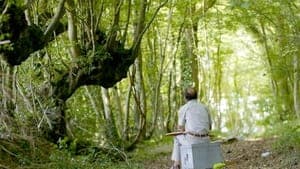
[288, 134]
[67, 144]
[20, 152]
[85, 122]
[24, 39]
[186, 62]
[90, 157]
[222, 57]
[64, 159]
[216, 135]
[99, 55]
[67, 154]
[219, 166]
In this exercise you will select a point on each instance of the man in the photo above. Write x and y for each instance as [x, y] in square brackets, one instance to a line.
[195, 123]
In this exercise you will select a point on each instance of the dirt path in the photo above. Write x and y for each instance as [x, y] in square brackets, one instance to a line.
[258, 154]
[254, 154]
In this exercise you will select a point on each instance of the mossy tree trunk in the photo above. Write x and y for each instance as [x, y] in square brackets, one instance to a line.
[89, 68]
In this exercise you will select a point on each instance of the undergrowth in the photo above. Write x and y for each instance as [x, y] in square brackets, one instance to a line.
[287, 135]
[36, 154]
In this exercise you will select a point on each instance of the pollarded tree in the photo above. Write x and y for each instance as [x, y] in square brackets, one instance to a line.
[99, 58]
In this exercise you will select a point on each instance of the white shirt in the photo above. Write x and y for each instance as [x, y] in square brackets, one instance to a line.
[195, 117]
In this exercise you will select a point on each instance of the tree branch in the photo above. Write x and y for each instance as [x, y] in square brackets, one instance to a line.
[59, 13]
[140, 35]
[113, 33]
[205, 8]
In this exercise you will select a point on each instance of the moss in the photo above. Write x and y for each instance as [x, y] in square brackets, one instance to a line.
[15, 22]
[29, 41]
[24, 39]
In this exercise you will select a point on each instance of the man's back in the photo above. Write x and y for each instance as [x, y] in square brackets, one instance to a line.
[195, 117]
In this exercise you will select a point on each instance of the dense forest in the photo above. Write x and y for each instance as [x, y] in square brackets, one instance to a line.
[96, 79]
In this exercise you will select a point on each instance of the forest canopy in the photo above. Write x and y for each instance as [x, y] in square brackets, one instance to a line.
[111, 73]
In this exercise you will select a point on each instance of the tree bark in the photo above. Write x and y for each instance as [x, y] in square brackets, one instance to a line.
[110, 129]
[54, 22]
[126, 116]
[57, 116]
[141, 96]
[297, 84]
[72, 29]
[138, 31]
[119, 107]
[8, 91]
[92, 66]
[27, 13]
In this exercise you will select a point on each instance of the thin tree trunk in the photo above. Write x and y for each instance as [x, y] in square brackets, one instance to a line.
[168, 118]
[297, 84]
[59, 13]
[192, 38]
[217, 87]
[7, 113]
[126, 116]
[268, 54]
[9, 105]
[156, 101]
[140, 91]
[72, 29]
[27, 14]
[111, 130]
[115, 26]
[106, 104]
[296, 60]
[141, 120]
[136, 107]
[162, 48]
[95, 107]
[123, 40]
[117, 99]
[192, 45]
[218, 79]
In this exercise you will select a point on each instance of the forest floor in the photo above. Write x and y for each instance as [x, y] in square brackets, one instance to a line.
[155, 154]
[246, 154]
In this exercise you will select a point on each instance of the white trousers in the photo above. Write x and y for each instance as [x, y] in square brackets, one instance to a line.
[185, 139]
